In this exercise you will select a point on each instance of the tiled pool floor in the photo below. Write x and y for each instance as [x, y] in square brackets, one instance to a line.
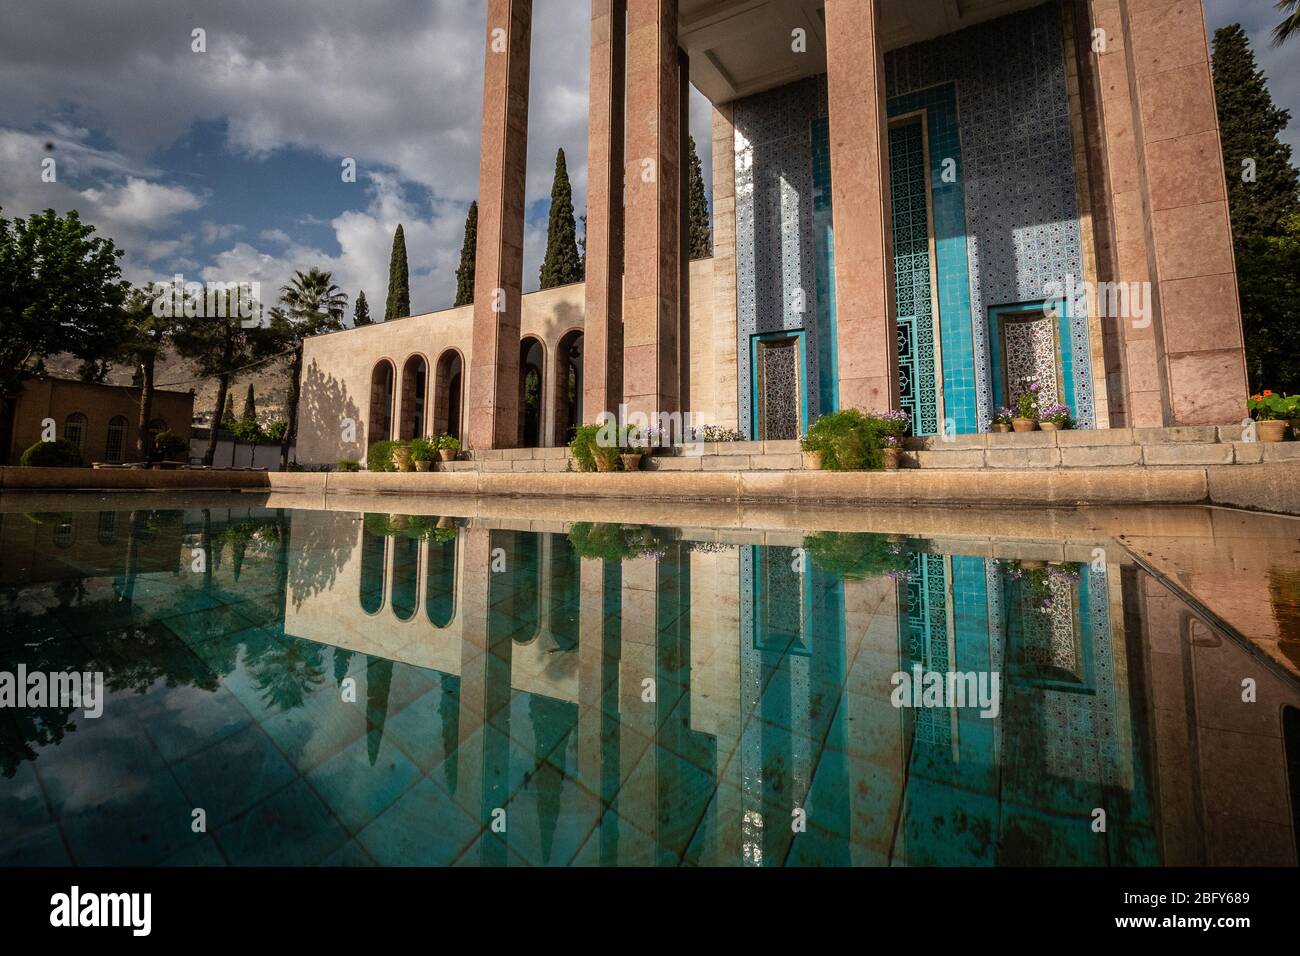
[303, 688]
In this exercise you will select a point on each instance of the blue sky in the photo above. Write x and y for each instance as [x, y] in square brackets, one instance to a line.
[225, 164]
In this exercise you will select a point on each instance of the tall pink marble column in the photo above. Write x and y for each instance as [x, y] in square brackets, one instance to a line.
[602, 385]
[652, 273]
[867, 347]
[498, 284]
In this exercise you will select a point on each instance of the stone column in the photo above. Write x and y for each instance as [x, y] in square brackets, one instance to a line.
[725, 404]
[603, 332]
[867, 347]
[652, 274]
[684, 231]
[1184, 363]
[1185, 214]
[498, 283]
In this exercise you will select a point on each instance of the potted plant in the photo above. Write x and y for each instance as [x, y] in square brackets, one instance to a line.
[402, 457]
[812, 454]
[633, 443]
[1293, 414]
[1055, 417]
[448, 447]
[1025, 414]
[1272, 415]
[892, 452]
[1001, 421]
[422, 453]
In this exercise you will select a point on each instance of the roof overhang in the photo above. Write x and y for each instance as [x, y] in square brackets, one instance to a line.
[741, 47]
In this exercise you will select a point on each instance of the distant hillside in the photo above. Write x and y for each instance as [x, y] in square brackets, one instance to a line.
[270, 383]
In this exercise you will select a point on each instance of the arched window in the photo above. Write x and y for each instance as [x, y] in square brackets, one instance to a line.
[74, 430]
[440, 582]
[107, 533]
[415, 375]
[374, 567]
[447, 394]
[115, 446]
[381, 404]
[65, 532]
[531, 384]
[406, 577]
[568, 387]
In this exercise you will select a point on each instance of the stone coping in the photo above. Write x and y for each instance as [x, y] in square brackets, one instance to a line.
[18, 478]
[1268, 486]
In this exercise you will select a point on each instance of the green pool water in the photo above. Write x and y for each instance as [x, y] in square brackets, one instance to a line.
[326, 687]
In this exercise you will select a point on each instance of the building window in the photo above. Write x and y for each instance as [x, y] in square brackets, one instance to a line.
[116, 444]
[107, 532]
[74, 430]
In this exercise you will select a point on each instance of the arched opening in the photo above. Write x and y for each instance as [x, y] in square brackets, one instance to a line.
[380, 426]
[531, 382]
[415, 376]
[447, 394]
[74, 430]
[440, 581]
[568, 387]
[374, 569]
[115, 445]
[406, 576]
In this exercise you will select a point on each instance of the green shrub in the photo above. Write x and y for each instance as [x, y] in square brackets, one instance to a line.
[53, 454]
[848, 440]
[445, 442]
[275, 431]
[248, 431]
[169, 446]
[854, 556]
[380, 456]
[616, 542]
[583, 447]
[424, 449]
[348, 464]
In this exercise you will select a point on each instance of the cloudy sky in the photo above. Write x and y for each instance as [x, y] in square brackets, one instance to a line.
[225, 165]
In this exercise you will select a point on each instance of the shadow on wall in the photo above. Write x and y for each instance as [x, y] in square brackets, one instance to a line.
[329, 422]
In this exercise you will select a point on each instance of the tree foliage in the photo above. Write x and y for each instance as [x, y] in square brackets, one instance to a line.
[701, 236]
[468, 253]
[399, 280]
[361, 311]
[61, 290]
[562, 264]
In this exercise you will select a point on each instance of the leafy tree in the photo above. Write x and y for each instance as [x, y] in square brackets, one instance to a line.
[228, 416]
[468, 251]
[399, 282]
[1290, 24]
[361, 311]
[148, 336]
[1249, 124]
[312, 305]
[562, 264]
[701, 237]
[1265, 210]
[93, 370]
[219, 346]
[250, 406]
[61, 290]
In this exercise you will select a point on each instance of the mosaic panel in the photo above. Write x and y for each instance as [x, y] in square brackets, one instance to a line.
[907, 180]
[778, 390]
[996, 98]
[1030, 349]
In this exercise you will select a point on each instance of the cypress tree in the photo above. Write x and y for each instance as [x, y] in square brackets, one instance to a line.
[468, 251]
[250, 405]
[562, 264]
[399, 283]
[701, 237]
[361, 311]
[1249, 124]
[1265, 211]
[228, 416]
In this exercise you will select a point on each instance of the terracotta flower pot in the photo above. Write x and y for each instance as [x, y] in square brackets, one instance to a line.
[1295, 428]
[631, 461]
[1272, 431]
[893, 456]
[1050, 426]
[1000, 428]
[446, 454]
[1024, 425]
[423, 466]
[812, 460]
[446, 522]
[604, 464]
[402, 459]
[398, 522]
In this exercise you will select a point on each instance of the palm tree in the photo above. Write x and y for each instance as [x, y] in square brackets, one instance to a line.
[313, 305]
[1289, 26]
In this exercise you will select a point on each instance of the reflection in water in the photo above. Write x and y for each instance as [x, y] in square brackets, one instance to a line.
[618, 694]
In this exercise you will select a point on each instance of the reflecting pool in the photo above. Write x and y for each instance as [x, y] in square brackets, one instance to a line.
[327, 687]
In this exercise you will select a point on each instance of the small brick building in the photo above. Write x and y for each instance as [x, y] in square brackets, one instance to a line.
[101, 419]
